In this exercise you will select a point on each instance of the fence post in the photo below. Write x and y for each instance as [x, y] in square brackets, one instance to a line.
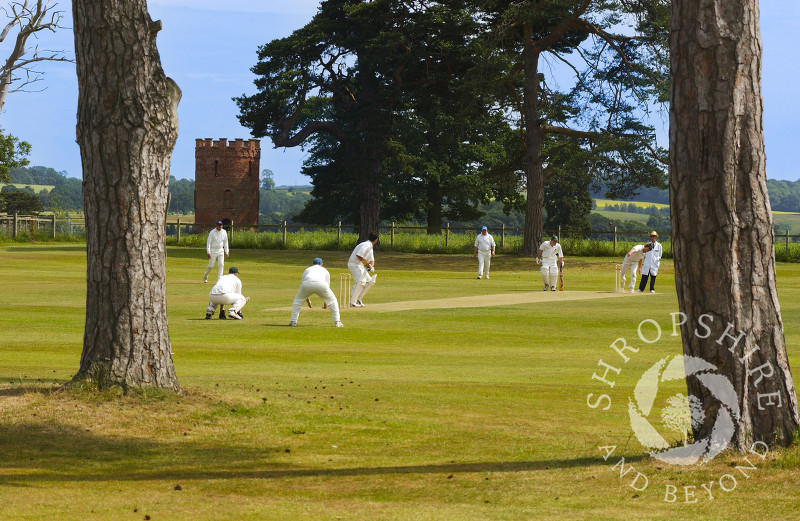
[53, 221]
[339, 234]
[447, 235]
[559, 233]
[14, 226]
[391, 239]
[615, 240]
[231, 237]
[284, 233]
[787, 241]
[502, 234]
[179, 231]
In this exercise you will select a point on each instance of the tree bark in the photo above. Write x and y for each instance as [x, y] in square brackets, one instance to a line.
[434, 213]
[369, 209]
[127, 127]
[372, 130]
[721, 218]
[534, 177]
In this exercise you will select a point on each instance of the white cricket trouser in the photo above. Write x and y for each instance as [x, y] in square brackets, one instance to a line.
[322, 289]
[626, 265]
[219, 259]
[362, 281]
[234, 301]
[549, 272]
[484, 260]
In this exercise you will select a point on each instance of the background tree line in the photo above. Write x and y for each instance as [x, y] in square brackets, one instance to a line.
[278, 204]
[429, 110]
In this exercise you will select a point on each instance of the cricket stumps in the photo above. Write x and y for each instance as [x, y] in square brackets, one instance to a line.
[345, 283]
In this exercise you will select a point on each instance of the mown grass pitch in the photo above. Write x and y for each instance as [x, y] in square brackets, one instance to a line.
[452, 413]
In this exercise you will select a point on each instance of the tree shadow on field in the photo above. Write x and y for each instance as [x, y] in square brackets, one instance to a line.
[55, 452]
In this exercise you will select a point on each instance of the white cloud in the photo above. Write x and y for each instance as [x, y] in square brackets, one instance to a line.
[291, 7]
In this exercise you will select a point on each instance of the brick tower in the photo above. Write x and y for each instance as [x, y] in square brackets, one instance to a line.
[226, 182]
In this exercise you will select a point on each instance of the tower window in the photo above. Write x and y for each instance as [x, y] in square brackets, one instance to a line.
[227, 199]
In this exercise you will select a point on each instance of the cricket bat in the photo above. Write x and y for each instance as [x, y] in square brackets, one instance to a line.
[561, 278]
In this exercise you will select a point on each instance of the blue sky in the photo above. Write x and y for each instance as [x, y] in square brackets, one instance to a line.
[209, 46]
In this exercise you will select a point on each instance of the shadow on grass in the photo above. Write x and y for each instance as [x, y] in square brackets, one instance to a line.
[54, 452]
[38, 247]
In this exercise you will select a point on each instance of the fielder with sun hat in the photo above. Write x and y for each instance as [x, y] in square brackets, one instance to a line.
[651, 262]
[316, 281]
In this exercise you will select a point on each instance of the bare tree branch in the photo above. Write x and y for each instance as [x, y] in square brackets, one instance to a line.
[30, 18]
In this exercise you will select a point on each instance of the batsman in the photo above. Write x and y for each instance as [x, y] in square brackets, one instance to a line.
[548, 255]
[361, 264]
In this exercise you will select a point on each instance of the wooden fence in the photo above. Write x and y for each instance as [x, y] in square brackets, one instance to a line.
[14, 225]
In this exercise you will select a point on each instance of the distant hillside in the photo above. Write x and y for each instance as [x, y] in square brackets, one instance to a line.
[784, 196]
[37, 175]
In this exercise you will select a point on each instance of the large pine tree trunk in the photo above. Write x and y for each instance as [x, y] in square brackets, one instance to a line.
[721, 220]
[434, 212]
[369, 209]
[127, 127]
[534, 177]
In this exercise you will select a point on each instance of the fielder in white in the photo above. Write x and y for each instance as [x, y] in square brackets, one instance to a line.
[651, 262]
[550, 255]
[316, 281]
[484, 249]
[217, 250]
[227, 290]
[633, 261]
[360, 264]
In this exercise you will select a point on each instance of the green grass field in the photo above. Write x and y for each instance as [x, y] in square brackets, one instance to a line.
[602, 203]
[453, 413]
[36, 188]
[790, 219]
[623, 216]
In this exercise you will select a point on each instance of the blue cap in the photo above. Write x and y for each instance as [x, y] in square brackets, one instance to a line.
[483, 228]
[316, 261]
[219, 223]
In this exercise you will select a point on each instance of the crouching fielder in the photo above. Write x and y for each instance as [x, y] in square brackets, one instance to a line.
[227, 290]
[316, 281]
[550, 255]
[360, 264]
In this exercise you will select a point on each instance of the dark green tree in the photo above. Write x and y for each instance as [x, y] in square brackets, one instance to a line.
[267, 181]
[181, 195]
[343, 85]
[20, 202]
[336, 76]
[13, 154]
[615, 76]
